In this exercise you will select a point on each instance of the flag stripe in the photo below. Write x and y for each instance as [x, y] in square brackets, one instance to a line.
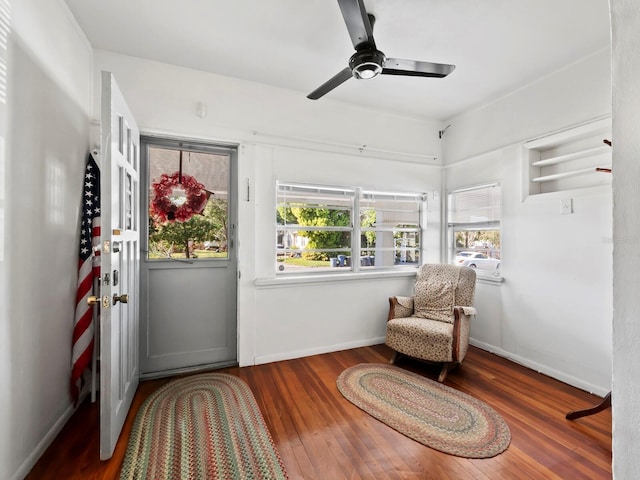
[88, 270]
[85, 285]
[82, 343]
[82, 325]
[77, 370]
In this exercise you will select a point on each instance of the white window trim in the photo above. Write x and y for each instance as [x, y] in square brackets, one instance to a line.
[324, 278]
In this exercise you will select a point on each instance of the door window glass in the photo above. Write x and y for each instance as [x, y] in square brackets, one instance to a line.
[188, 204]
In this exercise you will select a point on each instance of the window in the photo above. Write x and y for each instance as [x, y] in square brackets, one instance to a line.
[325, 228]
[474, 228]
[314, 227]
[188, 199]
[390, 229]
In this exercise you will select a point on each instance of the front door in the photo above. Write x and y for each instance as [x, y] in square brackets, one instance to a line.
[119, 258]
[188, 272]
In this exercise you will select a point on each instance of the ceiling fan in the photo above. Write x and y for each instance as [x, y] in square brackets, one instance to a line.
[369, 62]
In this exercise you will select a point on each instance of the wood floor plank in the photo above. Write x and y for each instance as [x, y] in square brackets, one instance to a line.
[320, 435]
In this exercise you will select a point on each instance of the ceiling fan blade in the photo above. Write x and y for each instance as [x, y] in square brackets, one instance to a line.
[338, 79]
[397, 66]
[358, 24]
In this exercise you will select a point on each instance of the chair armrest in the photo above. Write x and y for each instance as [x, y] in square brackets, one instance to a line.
[400, 307]
[461, 331]
[467, 310]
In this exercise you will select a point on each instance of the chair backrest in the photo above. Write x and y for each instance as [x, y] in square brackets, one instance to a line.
[465, 287]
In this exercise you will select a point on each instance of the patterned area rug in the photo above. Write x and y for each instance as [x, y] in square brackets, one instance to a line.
[205, 426]
[433, 414]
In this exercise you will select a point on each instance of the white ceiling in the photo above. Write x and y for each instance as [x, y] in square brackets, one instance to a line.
[496, 45]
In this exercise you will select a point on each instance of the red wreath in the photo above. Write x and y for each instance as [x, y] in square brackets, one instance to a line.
[163, 209]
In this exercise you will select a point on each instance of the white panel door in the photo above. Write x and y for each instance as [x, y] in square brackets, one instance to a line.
[120, 259]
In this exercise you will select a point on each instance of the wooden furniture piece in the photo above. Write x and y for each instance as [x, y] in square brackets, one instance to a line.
[603, 405]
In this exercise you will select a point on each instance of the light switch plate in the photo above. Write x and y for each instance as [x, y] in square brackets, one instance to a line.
[566, 206]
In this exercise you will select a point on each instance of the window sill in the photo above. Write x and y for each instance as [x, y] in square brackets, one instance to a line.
[489, 279]
[330, 278]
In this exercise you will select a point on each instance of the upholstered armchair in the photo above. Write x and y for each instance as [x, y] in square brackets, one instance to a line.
[434, 324]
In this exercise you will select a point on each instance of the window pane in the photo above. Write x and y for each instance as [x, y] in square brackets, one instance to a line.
[294, 254]
[388, 212]
[314, 207]
[478, 249]
[313, 228]
[476, 205]
[386, 249]
[188, 204]
[128, 202]
[390, 230]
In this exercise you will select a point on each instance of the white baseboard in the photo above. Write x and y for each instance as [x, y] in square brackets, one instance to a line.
[277, 357]
[558, 375]
[540, 368]
[46, 441]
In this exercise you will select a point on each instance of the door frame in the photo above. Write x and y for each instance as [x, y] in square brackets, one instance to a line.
[205, 146]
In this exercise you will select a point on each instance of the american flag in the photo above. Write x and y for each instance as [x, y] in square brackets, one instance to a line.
[88, 271]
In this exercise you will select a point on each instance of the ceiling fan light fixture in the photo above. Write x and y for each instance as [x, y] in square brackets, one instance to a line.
[367, 64]
[365, 71]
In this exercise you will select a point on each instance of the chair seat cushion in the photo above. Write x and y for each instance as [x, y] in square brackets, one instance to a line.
[421, 338]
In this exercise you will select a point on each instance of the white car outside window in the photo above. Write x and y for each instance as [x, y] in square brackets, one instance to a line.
[477, 260]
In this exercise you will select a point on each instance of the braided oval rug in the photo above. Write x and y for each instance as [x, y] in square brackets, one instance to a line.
[206, 426]
[429, 412]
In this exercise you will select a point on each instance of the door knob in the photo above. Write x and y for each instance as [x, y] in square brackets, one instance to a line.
[124, 298]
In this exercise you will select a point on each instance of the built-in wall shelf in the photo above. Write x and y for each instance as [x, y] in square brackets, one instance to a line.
[567, 160]
[571, 156]
[558, 176]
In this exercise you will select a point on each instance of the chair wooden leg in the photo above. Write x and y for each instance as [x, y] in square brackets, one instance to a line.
[604, 404]
[446, 368]
[394, 358]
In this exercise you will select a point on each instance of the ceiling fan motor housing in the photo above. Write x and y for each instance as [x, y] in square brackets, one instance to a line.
[367, 64]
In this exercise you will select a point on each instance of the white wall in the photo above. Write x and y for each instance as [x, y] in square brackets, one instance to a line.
[316, 317]
[625, 15]
[553, 312]
[282, 135]
[5, 325]
[579, 92]
[165, 98]
[49, 95]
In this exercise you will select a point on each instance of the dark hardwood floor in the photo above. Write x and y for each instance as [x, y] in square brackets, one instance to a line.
[321, 436]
